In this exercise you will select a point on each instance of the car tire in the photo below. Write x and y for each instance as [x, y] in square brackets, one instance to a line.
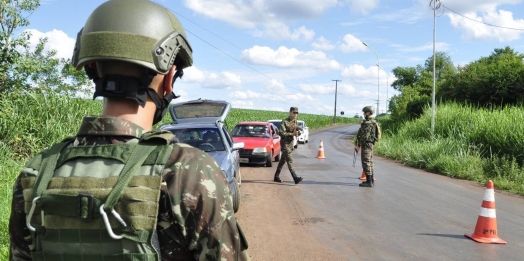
[269, 160]
[279, 156]
[236, 196]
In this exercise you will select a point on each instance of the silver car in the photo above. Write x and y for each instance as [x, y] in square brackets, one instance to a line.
[200, 123]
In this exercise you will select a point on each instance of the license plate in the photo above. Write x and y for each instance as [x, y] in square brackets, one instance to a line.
[244, 160]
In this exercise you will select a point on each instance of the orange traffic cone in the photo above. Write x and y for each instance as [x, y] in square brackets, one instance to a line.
[363, 176]
[486, 228]
[320, 154]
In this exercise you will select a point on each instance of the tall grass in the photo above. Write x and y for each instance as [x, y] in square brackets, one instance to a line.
[30, 122]
[468, 143]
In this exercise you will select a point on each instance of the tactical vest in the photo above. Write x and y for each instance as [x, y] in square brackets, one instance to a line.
[368, 132]
[96, 202]
[292, 127]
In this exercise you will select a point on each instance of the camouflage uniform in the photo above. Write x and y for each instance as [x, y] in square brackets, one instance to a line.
[195, 219]
[287, 127]
[367, 135]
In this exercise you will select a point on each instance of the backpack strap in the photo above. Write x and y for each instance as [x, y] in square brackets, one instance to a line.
[48, 165]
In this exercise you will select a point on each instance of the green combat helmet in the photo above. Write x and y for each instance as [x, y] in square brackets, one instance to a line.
[138, 32]
[368, 109]
[117, 30]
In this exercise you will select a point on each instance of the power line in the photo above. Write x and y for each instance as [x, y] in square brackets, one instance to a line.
[503, 27]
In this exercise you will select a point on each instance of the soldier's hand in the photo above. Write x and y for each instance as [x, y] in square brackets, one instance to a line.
[295, 133]
[357, 148]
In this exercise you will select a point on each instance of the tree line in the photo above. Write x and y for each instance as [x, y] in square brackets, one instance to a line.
[32, 68]
[496, 80]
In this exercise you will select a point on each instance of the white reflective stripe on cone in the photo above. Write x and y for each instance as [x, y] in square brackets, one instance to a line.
[489, 195]
[488, 212]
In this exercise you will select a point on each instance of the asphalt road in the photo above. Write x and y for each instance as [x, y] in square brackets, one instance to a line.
[409, 214]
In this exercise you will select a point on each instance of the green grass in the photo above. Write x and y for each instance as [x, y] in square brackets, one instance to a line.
[468, 143]
[32, 122]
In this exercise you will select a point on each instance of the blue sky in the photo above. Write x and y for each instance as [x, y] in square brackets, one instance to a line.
[273, 54]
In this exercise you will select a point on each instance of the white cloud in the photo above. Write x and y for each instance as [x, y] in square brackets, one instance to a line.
[285, 57]
[345, 89]
[225, 10]
[439, 46]
[242, 104]
[362, 6]
[352, 44]
[299, 9]
[477, 31]
[282, 32]
[360, 74]
[288, 98]
[56, 40]
[323, 44]
[212, 80]
[465, 6]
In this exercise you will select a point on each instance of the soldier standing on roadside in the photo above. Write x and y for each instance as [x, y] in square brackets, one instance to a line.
[367, 135]
[118, 190]
[288, 130]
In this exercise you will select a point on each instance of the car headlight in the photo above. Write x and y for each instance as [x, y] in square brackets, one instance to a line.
[259, 151]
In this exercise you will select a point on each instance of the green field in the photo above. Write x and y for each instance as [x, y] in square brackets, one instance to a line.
[469, 143]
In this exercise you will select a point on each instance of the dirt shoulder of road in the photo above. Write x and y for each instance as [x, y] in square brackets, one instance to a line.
[274, 221]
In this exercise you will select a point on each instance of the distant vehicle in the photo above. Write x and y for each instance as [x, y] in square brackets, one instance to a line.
[304, 137]
[199, 123]
[261, 142]
[277, 124]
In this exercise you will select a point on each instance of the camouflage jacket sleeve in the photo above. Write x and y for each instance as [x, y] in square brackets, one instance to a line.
[378, 132]
[19, 235]
[201, 219]
[286, 129]
[356, 140]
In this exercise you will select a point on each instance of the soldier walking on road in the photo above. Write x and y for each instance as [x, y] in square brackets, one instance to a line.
[367, 135]
[288, 130]
[118, 190]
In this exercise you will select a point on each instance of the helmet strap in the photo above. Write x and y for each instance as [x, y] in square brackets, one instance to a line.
[163, 104]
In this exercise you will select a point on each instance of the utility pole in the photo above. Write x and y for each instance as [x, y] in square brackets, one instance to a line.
[378, 74]
[436, 5]
[335, 111]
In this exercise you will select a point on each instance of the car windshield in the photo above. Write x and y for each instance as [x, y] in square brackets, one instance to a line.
[257, 131]
[206, 139]
[301, 124]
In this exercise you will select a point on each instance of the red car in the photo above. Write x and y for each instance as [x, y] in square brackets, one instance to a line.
[261, 142]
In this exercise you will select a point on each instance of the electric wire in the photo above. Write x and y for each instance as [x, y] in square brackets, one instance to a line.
[225, 53]
[493, 25]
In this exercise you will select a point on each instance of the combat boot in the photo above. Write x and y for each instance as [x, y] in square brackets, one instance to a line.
[277, 176]
[368, 182]
[372, 180]
[295, 177]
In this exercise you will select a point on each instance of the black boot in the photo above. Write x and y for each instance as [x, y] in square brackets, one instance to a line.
[367, 183]
[295, 177]
[372, 180]
[277, 176]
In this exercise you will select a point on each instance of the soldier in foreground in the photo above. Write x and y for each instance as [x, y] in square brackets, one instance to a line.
[288, 130]
[367, 135]
[118, 190]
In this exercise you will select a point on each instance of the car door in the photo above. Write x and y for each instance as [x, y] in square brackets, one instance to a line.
[234, 156]
[275, 139]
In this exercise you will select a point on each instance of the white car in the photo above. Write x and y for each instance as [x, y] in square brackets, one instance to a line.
[277, 124]
[304, 137]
